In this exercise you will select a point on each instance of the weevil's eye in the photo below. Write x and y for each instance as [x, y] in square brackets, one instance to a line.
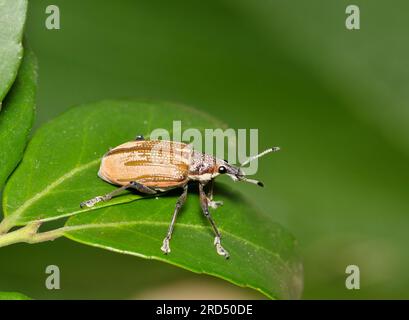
[222, 169]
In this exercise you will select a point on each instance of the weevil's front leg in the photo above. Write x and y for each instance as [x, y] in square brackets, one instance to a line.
[210, 202]
[204, 204]
[133, 184]
[165, 246]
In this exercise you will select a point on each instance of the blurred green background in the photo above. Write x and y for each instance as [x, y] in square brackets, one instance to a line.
[335, 100]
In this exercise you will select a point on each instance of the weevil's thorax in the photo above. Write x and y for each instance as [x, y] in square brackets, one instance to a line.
[203, 167]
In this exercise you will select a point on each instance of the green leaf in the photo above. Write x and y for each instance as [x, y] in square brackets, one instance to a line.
[262, 252]
[61, 162]
[59, 170]
[13, 296]
[12, 18]
[17, 116]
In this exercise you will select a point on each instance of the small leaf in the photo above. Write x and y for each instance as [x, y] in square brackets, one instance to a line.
[59, 170]
[13, 296]
[12, 18]
[17, 116]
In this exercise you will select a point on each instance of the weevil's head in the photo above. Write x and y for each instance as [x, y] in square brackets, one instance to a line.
[236, 173]
[223, 167]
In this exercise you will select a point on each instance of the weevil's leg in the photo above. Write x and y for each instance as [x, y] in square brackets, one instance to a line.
[204, 204]
[133, 184]
[90, 203]
[211, 203]
[210, 191]
[141, 188]
[165, 246]
[139, 137]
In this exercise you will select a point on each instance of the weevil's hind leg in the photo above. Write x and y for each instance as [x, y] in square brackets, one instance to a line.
[92, 202]
[141, 188]
[133, 184]
[211, 203]
[204, 204]
[165, 246]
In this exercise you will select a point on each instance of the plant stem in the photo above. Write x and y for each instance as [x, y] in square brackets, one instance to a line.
[29, 234]
[5, 225]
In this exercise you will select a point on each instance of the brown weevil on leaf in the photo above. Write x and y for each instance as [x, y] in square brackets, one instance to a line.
[152, 166]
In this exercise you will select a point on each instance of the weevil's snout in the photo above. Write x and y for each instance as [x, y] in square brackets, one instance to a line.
[236, 173]
[242, 177]
[223, 167]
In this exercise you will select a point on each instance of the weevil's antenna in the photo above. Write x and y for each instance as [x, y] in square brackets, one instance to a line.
[259, 183]
[273, 149]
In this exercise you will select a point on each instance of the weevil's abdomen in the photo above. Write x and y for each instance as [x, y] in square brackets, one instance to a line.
[153, 163]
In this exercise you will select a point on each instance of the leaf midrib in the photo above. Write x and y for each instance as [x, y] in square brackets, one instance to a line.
[163, 223]
[68, 229]
[16, 214]
[137, 254]
[48, 189]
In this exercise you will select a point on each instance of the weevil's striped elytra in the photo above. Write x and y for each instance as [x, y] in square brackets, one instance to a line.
[152, 166]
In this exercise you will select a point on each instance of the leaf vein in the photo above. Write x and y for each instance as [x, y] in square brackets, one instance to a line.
[16, 214]
[161, 223]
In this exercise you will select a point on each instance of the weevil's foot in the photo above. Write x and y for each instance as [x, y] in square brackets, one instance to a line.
[92, 202]
[214, 204]
[165, 246]
[220, 250]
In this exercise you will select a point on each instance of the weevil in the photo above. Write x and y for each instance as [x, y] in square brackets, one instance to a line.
[152, 166]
